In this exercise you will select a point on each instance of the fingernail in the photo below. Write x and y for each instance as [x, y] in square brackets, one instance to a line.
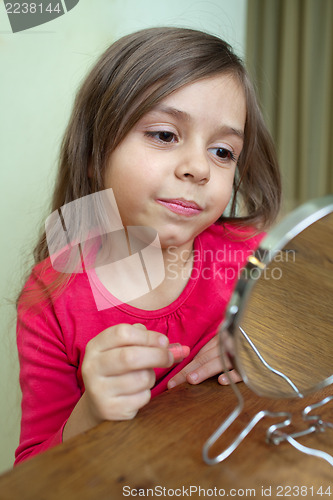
[171, 384]
[163, 341]
[224, 379]
[193, 377]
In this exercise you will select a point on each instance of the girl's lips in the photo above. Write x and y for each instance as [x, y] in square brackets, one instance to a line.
[181, 207]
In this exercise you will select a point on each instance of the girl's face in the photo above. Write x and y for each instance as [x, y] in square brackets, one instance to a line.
[174, 170]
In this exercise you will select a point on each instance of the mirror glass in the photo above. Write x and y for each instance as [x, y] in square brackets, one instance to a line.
[281, 335]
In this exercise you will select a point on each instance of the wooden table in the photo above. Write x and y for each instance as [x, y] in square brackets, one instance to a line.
[162, 448]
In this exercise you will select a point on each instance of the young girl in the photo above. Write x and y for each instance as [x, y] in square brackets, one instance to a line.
[169, 121]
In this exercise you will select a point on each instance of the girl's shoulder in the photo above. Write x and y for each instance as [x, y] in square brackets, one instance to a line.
[43, 285]
[43, 275]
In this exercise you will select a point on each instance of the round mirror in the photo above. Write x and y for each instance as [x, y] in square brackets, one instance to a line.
[279, 321]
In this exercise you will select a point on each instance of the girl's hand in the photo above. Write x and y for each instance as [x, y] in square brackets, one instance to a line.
[204, 365]
[118, 373]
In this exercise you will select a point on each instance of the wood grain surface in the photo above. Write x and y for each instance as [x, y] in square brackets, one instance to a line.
[162, 448]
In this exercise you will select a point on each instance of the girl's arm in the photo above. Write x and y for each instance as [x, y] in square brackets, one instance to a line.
[48, 381]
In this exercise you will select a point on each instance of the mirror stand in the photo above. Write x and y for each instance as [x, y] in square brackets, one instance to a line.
[275, 434]
[268, 366]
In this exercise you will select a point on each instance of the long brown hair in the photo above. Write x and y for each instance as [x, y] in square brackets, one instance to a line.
[129, 79]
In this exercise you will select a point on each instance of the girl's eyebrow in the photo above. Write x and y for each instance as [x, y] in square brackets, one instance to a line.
[183, 116]
[169, 110]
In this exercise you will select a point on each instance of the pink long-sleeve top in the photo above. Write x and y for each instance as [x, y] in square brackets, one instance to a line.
[52, 335]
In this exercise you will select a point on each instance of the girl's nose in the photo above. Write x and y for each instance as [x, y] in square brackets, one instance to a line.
[194, 167]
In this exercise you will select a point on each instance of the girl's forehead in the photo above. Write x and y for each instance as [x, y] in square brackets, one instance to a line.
[207, 95]
[215, 86]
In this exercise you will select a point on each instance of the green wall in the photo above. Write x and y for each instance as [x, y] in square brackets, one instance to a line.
[41, 69]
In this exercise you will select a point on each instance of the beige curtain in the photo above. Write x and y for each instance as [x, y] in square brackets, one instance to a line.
[289, 54]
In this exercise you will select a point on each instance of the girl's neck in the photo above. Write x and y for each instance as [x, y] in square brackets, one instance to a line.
[178, 263]
[178, 267]
[177, 258]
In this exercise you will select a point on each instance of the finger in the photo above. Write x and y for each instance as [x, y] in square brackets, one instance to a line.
[178, 379]
[125, 407]
[224, 379]
[207, 363]
[188, 373]
[208, 353]
[129, 383]
[140, 325]
[211, 344]
[121, 360]
[209, 369]
[125, 335]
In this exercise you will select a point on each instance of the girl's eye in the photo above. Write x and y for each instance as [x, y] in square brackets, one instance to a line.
[224, 154]
[163, 136]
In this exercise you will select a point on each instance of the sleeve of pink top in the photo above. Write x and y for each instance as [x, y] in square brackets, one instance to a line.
[48, 381]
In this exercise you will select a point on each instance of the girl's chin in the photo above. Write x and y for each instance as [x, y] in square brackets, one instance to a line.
[176, 240]
[177, 236]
